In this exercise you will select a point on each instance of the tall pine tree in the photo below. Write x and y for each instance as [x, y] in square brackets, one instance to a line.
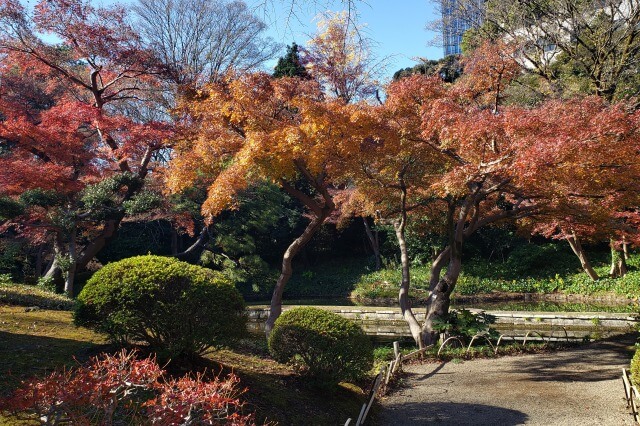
[290, 64]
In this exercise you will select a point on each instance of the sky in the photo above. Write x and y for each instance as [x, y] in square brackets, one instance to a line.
[397, 26]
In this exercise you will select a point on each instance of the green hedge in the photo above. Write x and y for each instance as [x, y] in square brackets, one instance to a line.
[328, 347]
[176, 308]
[635, 368]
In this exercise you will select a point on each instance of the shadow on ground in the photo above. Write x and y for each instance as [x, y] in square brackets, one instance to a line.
[23, 356]
[449, 413]
[603, 358]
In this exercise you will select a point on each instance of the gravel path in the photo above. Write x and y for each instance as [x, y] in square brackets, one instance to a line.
[580, 386]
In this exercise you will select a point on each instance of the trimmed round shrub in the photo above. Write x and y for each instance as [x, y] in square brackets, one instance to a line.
[178, 309]
[329, 347]
[635, 368]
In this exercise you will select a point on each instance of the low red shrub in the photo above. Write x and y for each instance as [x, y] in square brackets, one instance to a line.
[119, 388]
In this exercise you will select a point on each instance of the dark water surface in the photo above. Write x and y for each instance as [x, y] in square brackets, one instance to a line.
[522, 305]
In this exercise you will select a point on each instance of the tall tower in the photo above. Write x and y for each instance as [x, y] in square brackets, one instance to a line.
[457, 17]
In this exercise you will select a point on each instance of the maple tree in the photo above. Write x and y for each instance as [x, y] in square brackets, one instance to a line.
[74, 150]
[453, 154]
[583, 151]
[431, 149]
[435, 149]
[566, 48]
[253, 128]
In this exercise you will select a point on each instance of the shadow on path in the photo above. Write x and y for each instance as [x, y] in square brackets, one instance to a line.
[594, 362]
[437, 368]
[449, 413]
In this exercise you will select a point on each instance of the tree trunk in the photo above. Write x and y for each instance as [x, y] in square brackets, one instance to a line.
[98, 243]
[321, 212]
[71, 272]
[174, 241]
[574, 242]
[374, 242]
[439, 299]
[618, 263]
[625, 249]
[195, 249]
[403, 295]
[39, 261]
[439, 260]
[287, 268]
[55, 272]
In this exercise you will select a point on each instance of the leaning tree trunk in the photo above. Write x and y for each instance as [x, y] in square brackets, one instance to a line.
[574, 242]
[55, 272]
[90, 251]
[287, 268]
[194, 251]
[321, 212]
[403, 295]
[618, 262]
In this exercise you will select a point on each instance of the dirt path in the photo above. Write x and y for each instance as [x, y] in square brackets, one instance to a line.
[580, 386]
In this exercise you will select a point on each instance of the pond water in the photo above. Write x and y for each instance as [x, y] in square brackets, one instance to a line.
[517, 305]
[519, 320]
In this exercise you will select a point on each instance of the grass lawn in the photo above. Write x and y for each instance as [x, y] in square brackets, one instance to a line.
[35, 343]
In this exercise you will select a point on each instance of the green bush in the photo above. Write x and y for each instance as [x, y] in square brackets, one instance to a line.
[635, 368]
[5, 279]
[328, 347]
[177, 308]
[47, 284]
[466, 324]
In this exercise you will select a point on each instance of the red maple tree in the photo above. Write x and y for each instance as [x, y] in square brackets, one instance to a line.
[76, 85]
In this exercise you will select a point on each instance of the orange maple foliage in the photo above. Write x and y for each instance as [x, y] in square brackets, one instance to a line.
[253, 128]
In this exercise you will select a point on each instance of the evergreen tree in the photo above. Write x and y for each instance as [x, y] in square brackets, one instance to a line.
[290, 64]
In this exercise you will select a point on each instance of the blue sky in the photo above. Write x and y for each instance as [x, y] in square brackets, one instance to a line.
[398, 27]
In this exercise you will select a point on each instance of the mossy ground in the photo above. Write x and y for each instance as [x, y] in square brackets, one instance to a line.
[35, 343]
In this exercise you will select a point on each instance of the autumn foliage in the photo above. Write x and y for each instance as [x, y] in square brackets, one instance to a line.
[78, 88]
[580, 154]
[116, 389]
[252, 129]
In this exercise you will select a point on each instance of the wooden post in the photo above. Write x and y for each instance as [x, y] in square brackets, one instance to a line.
[627, 387]
[398, 363]
[359, 421]
[389, 370]
[396, 349]
[372, 394]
